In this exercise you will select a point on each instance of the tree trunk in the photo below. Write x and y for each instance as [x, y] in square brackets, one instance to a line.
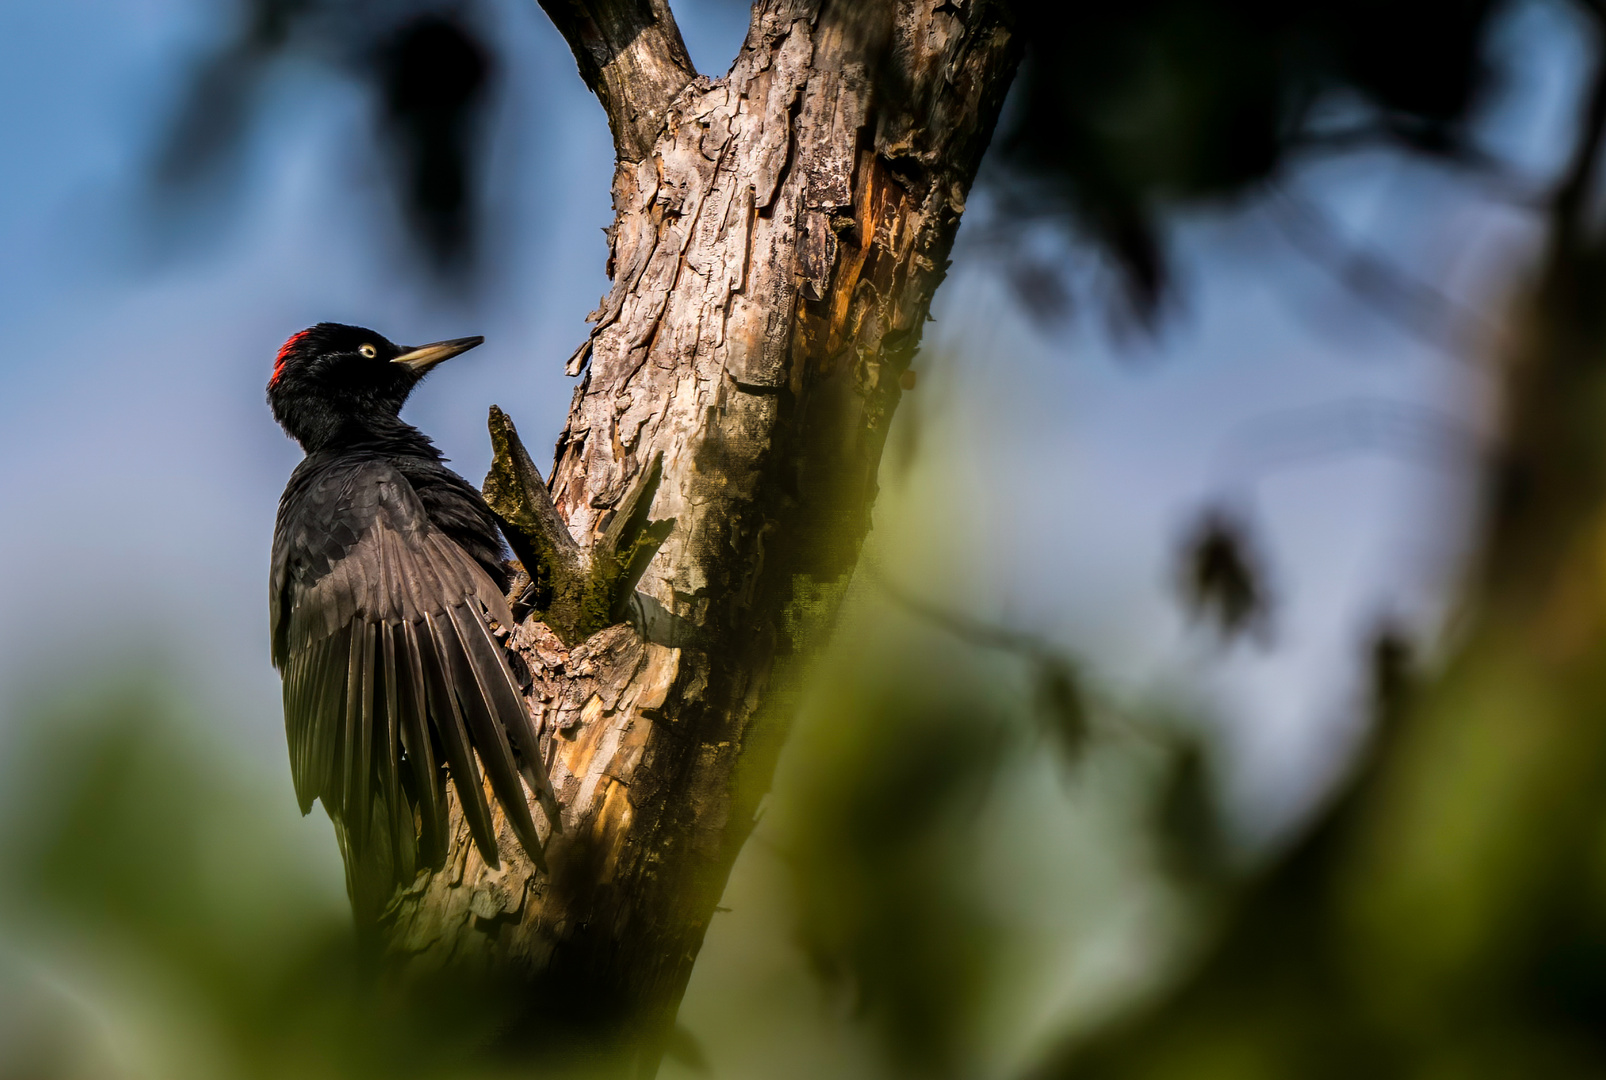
[777, 239]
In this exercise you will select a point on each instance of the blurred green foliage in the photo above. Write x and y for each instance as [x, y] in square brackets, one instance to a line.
[165, 916]
[938, 818]
[888, 911]
[1446, 916]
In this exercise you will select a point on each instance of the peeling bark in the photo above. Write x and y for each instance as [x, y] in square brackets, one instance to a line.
[778, 236]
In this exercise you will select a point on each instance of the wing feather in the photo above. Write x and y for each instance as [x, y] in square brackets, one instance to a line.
[382, 630]
[390, 783]
[360, 764]
[301, 691]
[323, 719]
[500, 690]
[420, 747]
[476, 696]
[448, 720]
[351, 718]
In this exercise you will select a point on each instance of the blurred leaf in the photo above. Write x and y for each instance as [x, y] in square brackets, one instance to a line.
[215, 115]
[684, 1048]
[1221, 578]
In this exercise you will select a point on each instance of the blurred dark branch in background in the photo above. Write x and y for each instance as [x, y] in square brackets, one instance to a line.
[1071, 708]
[431, 70]
[213, 118]
[1287, 438]
[434, 75]
[1417, 306]
[1577, 187]
[1060, 695]
[1270, 995]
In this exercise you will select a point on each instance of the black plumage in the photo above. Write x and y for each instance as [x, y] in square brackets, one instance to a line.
[387, 583]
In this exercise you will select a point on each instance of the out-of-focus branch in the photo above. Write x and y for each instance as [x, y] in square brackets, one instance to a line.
[631, 55]
[966, 628]
[1071, 707]
[1411, 303]
[1578, 181]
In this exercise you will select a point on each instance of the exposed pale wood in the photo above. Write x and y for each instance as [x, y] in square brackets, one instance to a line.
[774, 257]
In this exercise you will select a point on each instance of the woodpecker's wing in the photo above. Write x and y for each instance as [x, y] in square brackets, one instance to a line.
[381, 630]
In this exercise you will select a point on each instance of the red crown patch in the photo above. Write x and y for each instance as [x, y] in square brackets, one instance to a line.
[284, 354]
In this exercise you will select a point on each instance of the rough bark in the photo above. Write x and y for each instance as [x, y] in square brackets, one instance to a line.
[778, 236]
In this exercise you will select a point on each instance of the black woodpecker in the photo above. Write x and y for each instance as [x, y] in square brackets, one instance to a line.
[386, 590]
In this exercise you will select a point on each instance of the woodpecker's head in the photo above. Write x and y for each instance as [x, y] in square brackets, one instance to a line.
[332, 381]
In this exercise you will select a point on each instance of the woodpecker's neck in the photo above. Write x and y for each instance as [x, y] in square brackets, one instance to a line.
[387, 434]
[374, 431]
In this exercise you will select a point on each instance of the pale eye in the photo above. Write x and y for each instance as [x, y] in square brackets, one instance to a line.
[368, 350]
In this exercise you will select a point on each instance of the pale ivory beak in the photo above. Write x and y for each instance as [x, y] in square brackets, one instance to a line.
[424, 357]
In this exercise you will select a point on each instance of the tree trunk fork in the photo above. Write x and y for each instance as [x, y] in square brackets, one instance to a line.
[778, 236]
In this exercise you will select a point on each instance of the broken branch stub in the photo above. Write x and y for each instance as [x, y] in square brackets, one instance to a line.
[575, 592]
[516, 494]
